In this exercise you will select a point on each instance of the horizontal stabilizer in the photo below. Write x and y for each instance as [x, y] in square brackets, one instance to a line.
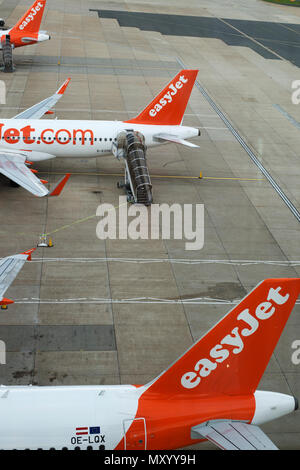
[233, 435]
[174, 139]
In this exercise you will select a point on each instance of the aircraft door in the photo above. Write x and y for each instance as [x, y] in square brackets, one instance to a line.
[135, 436]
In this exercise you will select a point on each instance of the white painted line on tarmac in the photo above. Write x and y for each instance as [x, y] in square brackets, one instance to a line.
[288, 263]
[138, 300]
[287, 116]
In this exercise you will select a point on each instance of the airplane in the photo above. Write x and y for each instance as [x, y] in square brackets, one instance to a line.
[15, 164]
[209, 393]
[25, 32]
[26, 136]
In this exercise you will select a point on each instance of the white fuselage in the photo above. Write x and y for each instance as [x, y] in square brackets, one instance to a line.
[100, 417]
[53, 417]
[68, 138]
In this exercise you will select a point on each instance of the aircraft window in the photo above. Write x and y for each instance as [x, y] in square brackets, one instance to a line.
[110, 139]
[101, 447]
[77, 448]
[105, 139]
[89, 448]
[65, 448]
[100, 139]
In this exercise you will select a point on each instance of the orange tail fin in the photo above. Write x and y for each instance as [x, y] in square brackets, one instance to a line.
[31, 20]
[232, 357]
[169, 106]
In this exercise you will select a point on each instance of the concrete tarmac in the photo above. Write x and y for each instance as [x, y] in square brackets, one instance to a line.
[91, 311]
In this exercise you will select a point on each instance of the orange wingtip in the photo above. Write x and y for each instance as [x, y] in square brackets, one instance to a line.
[44, 181]
[28, 162]
[5, 301]
[28, 253]
[60, 185]
[62, 89]
[49, 112]
[33, 170]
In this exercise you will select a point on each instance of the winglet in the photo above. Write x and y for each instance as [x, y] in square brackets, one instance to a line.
[28, 253]
[63, 87]
[4, 302]
[60, 185]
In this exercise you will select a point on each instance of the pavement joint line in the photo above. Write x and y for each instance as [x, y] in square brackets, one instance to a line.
[246, 147]
[98, 66]
[95, 110]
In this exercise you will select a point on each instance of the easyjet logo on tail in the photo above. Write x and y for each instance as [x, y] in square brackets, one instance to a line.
[31, 15]
[168, 97]
[235, 339]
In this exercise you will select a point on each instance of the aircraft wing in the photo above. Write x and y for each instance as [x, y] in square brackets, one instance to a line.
[13, 166]
[38, 110]
[233, 435]
[9, 268]
[175, 139]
